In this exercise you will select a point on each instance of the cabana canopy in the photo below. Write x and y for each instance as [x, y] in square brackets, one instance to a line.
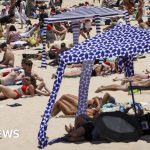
[122, 40]
[80, 13]
[75, 15]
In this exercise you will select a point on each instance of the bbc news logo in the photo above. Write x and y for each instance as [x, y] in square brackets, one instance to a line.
[12, 133]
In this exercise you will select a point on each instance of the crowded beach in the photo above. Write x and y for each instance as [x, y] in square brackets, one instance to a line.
[33, 52]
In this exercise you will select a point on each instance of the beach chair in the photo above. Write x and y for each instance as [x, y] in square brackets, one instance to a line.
[138, 88]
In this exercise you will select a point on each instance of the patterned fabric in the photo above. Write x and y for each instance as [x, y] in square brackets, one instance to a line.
[77, 14]
[118, 41]
[43, 141]
[85, 77]
[84, 86]
[126, 14]
[43, 61]
[128, 67]
[82, 13]
[121, 40]
[126, 63]
[97, 23]
[76, 32]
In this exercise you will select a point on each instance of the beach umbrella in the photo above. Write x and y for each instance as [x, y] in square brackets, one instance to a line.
[120, 41]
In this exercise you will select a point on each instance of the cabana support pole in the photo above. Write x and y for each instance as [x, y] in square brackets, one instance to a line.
[128, 66]
[84, 86]
[85, 77]
[126, 62]
[76, 32]
[43, 141]
[43, 61]
[97, 23]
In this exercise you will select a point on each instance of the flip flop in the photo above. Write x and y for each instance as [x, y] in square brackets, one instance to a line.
[14, 105]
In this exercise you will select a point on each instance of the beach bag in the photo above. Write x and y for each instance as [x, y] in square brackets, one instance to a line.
[145, 123]
[116, 126]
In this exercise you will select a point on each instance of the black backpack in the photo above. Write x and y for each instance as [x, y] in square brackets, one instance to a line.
[116, 126]
[144, 121]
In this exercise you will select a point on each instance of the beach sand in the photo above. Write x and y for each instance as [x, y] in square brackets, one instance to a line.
[27, 117]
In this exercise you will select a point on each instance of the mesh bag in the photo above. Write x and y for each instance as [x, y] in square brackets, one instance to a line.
[116, 126]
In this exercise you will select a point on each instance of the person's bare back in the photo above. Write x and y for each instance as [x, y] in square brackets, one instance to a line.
[8, 58]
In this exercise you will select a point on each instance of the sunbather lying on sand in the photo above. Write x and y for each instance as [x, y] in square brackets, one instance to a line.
[136, 77]
[28, 88]
[98, 69]
[68, 104]
[124, 87]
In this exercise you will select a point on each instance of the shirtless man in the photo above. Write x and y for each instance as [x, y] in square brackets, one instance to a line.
[10, 76]
[29, 71]
[8, 57]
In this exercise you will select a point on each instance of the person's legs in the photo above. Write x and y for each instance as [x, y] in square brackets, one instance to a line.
[113, 87]
[141, 83]
[105, 98]
[56, 109]
[41, 86]
[61, 106]
[67, 104]
[82, 33]
[3, 66]
[9, 79]
[72, 74]
[88, 35]
[139, 77]
[9, 93]
[67, 107]
[62, 37]
[70, 98]
[2, 97]
[28, 34]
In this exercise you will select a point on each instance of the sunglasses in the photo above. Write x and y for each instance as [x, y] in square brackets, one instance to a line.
[27, 79]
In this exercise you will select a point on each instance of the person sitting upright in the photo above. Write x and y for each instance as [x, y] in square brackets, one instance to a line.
[12, 35]
[8, 57]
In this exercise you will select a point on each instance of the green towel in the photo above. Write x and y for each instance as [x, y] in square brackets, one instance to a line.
[134, 91]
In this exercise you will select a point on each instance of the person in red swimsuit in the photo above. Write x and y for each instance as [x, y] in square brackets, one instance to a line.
[26, 89]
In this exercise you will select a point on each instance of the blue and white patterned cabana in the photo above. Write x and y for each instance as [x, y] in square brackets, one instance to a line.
[75, 15]
[120, 41]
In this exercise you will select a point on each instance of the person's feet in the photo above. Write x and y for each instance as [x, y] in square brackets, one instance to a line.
[99, 89]
[53, 76]
[147, 71]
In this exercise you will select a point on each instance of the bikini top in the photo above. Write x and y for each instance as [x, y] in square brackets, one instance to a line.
[21, 91]
[24, 88]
